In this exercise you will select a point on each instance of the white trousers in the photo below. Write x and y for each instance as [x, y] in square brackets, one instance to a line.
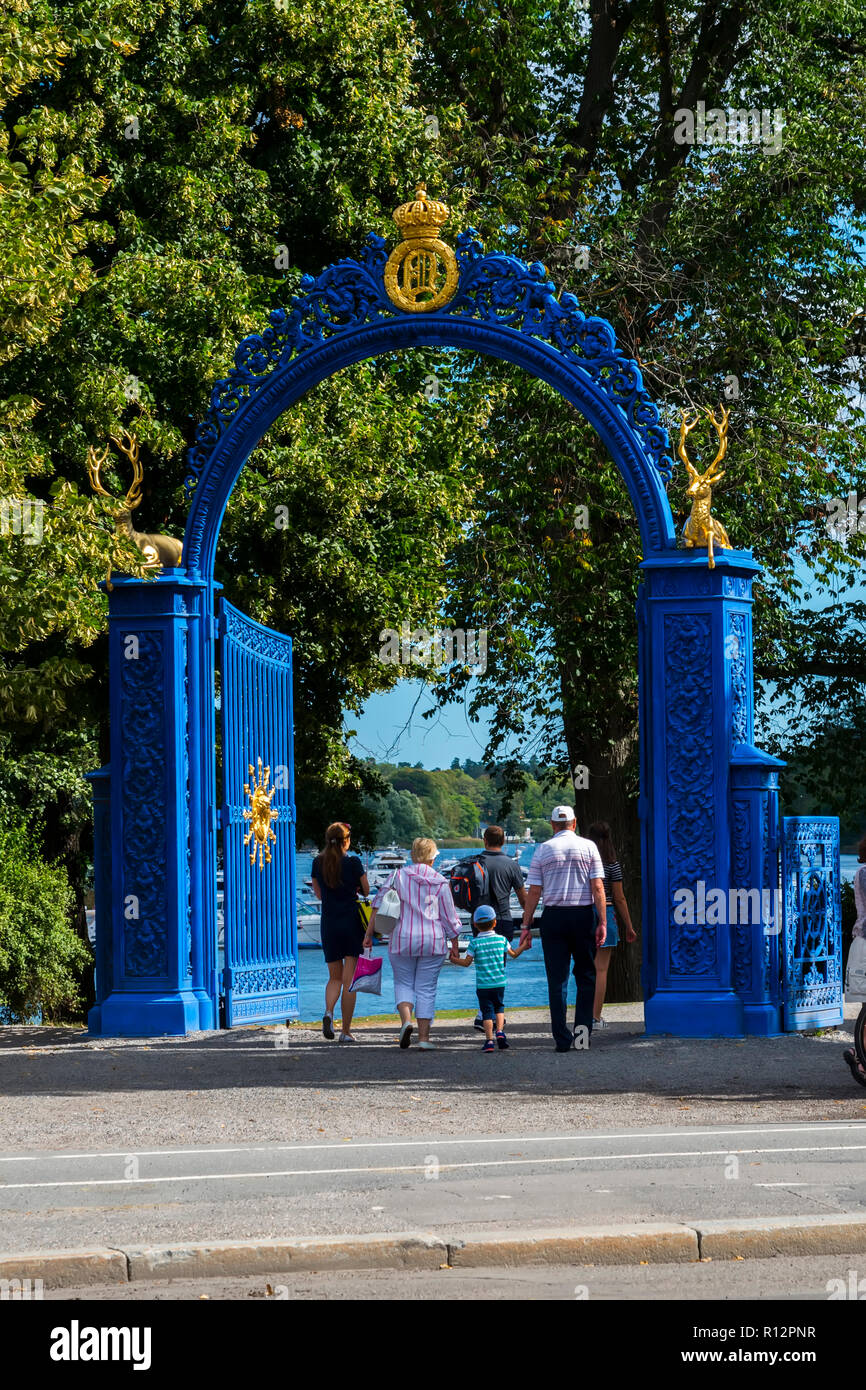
[415, 980]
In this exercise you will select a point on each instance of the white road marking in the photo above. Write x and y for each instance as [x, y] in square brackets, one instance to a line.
[416, 1167]
[821, 1126]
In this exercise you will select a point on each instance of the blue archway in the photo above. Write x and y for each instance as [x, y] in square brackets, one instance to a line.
[708, 802]
[503, 308]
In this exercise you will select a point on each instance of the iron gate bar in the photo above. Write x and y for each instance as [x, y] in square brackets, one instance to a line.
[260, 979]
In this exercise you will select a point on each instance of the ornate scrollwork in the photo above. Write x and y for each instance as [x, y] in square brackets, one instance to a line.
[740, 705]
[813, 950]
[269, 979]
[492, 289]
[690, 805]
[740, 878]
[144, 794]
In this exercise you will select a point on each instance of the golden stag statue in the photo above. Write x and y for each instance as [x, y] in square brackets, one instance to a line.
[702, 529]
[164, 551]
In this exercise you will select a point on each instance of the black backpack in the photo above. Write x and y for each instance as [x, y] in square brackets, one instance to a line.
[468, 880]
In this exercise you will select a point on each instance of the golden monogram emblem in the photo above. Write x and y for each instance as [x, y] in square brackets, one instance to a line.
[421, 273]
[260, 813]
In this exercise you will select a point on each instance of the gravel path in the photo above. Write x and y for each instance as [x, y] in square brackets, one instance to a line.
[60, 1091]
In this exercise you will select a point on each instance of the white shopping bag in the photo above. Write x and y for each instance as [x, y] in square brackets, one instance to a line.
[390, 908]
[855, 975]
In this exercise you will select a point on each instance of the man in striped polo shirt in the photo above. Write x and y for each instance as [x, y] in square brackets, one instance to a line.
[567, 874]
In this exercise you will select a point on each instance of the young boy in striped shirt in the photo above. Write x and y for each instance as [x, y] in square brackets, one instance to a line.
[489, 950]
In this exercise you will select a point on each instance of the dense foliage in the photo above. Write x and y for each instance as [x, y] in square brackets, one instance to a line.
[454, 803]
[40, 955]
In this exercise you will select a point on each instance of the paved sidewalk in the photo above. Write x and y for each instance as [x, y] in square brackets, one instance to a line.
[59, 1090]
[782, 1277]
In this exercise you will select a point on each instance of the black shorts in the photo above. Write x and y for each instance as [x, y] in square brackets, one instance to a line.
[342, 938]
[491, 1001]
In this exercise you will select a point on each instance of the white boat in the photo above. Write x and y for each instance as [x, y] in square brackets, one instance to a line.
[383, 864]
[310, 925]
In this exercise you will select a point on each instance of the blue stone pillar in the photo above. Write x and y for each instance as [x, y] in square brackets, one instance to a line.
[755, 932]
[152, 979]
[695, 633]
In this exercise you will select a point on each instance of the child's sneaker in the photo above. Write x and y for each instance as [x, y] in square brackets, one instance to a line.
[478, 1023]
[501, 1041]
[488, 1045]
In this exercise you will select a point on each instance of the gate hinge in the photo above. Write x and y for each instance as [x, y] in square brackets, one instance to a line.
[216, 628]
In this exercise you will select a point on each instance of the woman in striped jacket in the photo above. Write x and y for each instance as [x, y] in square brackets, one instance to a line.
[420, 940]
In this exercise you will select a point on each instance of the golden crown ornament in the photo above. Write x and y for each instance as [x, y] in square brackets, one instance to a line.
[421, 272]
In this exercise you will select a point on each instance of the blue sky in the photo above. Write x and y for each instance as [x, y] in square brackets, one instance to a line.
[391, 729]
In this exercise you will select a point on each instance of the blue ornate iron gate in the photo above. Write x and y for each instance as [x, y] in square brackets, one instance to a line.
[812, 946]
[260, 977]
[708, 800]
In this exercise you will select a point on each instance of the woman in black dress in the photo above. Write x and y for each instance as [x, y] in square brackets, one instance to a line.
[337, 878]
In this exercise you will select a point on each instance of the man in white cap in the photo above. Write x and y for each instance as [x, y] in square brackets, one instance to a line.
[567, 873]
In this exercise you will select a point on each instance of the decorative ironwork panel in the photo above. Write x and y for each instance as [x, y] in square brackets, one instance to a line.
[258, 822]
[812, 929]
[690, 805]
[741, 931]
[144, 793]
[736, 651]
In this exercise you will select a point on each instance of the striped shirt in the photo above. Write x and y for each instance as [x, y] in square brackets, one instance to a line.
[489, 950]
[562, 868]
[612, 875]
[428, 917]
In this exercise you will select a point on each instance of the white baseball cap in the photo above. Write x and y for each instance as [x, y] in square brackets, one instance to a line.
[563, 813]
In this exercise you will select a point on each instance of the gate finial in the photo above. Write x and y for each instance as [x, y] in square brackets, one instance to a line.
[421, 273]
[702, 528]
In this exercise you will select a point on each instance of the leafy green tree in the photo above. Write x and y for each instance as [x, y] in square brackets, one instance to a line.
[41, 958]
[165, 178]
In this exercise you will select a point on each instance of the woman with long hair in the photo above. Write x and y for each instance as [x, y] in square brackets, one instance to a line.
[337, 878]
[617, 913]
[419, 942]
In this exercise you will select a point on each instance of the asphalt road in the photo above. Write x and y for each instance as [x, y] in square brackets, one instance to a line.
[443, 1183]
[60, 1090]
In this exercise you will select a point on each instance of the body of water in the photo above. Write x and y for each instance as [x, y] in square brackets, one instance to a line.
[527, 983]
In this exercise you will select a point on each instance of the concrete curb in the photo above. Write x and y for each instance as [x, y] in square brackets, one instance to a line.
[652, 1243]
[841, 1233]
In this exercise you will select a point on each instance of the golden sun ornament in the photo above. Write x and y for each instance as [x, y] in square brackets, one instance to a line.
[260, 813]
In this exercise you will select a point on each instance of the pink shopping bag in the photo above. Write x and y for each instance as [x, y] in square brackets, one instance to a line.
[368, 975]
